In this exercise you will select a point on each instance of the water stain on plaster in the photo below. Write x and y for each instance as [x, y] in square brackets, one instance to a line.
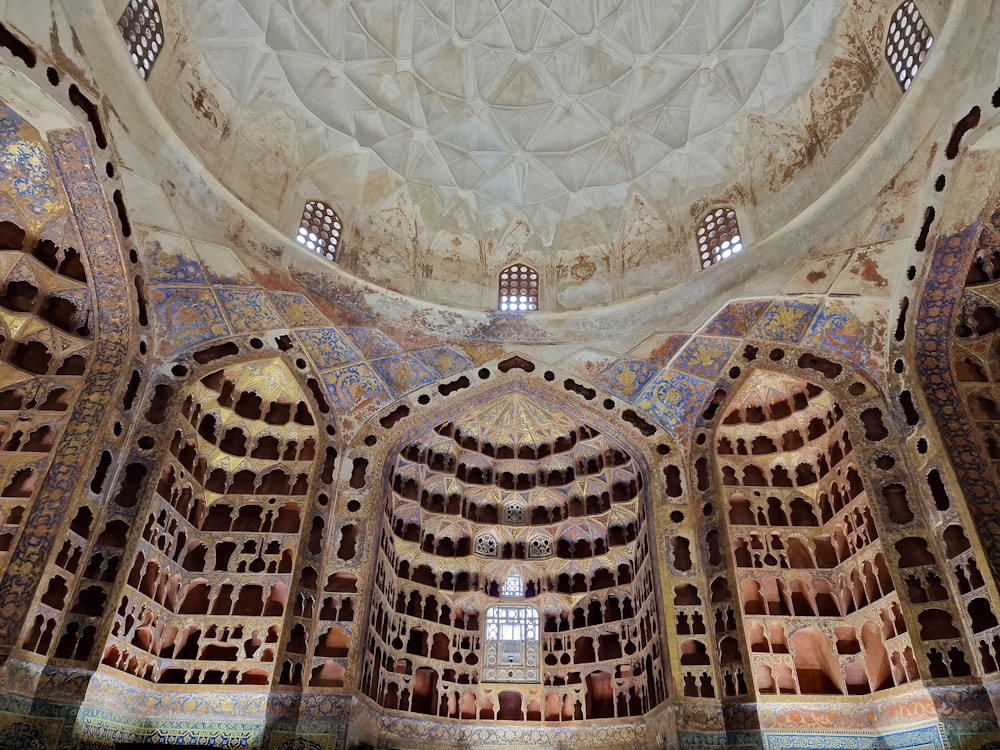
[867, 268]
[813, 276]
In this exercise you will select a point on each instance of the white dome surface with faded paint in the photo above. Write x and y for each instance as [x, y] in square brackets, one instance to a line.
[527, 105]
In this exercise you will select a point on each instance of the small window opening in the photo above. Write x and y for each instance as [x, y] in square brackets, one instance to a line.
[907, 43]
[142, 29]
[487, 546]
[518, 289]
[513, 586]
[719, 236]
[319, 229]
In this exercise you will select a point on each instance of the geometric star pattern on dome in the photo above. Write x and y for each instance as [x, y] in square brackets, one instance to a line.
[765, 387]
[516, 421]
[523, 105]
[271, 380]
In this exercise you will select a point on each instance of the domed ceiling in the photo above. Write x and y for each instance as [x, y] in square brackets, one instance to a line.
[470, 122]
[523, 103]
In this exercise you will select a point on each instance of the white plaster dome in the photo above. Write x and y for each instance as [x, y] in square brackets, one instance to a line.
[496, 131]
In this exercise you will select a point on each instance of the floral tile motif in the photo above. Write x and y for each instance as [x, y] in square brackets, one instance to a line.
[249, 310]
[735, 319]
[626, 377]
[24, 167]
[357, 391]
[840, 331]
[705, 357]
[187, 315]
[404, 373]
[444, 360]
[172, 268]
[327, 347]
[673, 399]
[785, 321]
[371, 341]
[297, 310]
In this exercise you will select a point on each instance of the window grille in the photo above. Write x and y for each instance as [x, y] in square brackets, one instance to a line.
[907, 42]
[319, 229]
[539, 546]
[487, 546]
[513, 586]
[511, 623]
[719, 236]
[518, 289]
[511, 645]
[515, 513]
[142, 29]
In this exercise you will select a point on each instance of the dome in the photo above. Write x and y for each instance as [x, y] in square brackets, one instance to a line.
[454, 141]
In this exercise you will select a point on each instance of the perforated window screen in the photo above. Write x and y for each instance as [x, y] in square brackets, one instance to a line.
[907, 43]
[518, 289]
[319, 229]
[719, 236]
[142, 29]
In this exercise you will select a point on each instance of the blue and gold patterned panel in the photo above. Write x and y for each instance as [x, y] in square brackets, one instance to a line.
[327, 347]
[785, 321]
[357, 391]
[736, 318]
[297, 310]
[704, 356]
[403, 373]
[626, 377]
[371, 341]
[25, 172]
[249, 310]
[444, 360]
[673, 399]
[837, 329]
[172, 268]
[186, 316]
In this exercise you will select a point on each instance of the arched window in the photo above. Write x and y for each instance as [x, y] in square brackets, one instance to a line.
[907, 42]
[518, 289]
[142, 29]
[719, 236]
[319, 229]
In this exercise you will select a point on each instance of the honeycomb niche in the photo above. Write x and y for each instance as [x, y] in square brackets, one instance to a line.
[513, 577]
